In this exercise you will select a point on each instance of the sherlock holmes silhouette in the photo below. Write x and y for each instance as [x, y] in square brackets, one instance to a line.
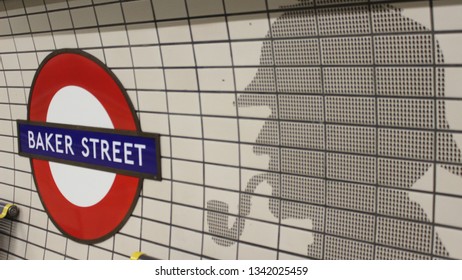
[352, 129]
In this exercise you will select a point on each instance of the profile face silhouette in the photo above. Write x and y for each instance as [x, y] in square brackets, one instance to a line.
[351, 130]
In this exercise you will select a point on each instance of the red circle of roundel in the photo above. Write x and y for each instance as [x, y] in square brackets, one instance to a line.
[102, 220]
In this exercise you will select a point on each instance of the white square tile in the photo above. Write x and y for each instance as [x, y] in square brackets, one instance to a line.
[187, 149]
[174, 31]
[184, 102]
[5, 112]
[137, 11]
[209, 29]
[118, 57]
[156, 123]
[168, 9]
[448, 44]
[56, 242]
[39, 23]
[187, 217]
[178, 55]
[154, 101]
[188, 126]
[143, 33]
[60, 20]
[222, 177]
[218, 104]
[126, 245]
[181, 79]
[186, 240]
[7, 192]
[21, 196]
[14, 79]
[249, 252]
[28, 60]
[19, 25]
[77, 250]
[17, 95]
[88, 38]
[295, 240]
[6, 144]
[449, 110]
[217, 79]
[23, 179]
[247, 53]
[220, 128]
[146, 57]
[5, 126]
[149, 78]
[34, 252]
[7, 44]
[10, 61]
[132, 227]
[18, 112]
[252, 26]
[37, 236]
[157, 189]
[5, 28]
[446, 181]
[109, 14]
[126, 76]
[250, 129]
[155, 232]
[83, 17]
[114, 36]
[221, 153]
[260, 233]
[204, 7]
[213, 54]
[451, 81]
[186, 171]
[156, 210]
[6, 176]
[36, 202]
[447, 209]
[188, 194]
[65, 39]
[451, 240]
[446, 15]
[38, 218]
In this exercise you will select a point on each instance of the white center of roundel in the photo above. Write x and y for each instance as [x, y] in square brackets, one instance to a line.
[74, 105]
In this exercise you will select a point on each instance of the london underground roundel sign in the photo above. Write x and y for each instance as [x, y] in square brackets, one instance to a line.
[88, 154]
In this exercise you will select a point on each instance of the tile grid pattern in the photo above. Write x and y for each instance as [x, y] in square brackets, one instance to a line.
[259, 81]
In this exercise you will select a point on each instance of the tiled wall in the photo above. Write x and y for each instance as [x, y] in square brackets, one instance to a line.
[290, 129]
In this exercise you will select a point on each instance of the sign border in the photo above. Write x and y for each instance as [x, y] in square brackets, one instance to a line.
[137, 125]
[140, 175]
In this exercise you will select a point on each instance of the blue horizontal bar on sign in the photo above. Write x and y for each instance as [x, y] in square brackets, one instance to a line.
[118, 151]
